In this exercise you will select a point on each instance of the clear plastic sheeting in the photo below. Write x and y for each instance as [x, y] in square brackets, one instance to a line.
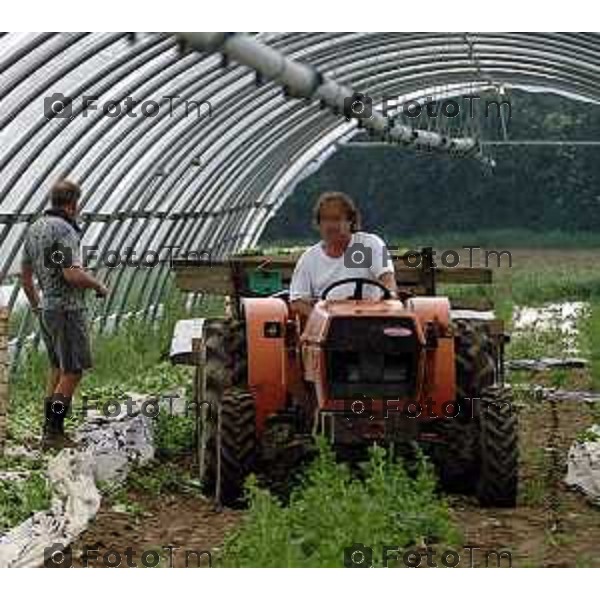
[208, 152]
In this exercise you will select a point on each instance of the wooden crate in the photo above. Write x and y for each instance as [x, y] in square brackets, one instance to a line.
[4, 315]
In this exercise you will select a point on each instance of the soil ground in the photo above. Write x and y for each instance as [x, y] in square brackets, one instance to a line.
[552, 525]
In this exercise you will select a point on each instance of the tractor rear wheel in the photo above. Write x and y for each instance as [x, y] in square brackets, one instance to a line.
[475, 364]
[475, 371]
[232, 423]
[481, 451]
[499, 458]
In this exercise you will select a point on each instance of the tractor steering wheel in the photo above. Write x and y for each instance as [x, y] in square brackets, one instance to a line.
[358, 282]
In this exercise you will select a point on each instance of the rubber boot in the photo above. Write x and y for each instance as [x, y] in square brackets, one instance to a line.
[51, 429]
[57, 407]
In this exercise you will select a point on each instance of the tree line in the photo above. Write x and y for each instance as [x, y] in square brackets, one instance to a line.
[539, 188]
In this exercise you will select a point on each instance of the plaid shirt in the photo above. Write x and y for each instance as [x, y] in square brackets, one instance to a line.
[52, 243]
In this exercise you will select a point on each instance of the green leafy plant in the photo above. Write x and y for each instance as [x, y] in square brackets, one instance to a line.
[174, 434]
[19, 499]
[333, 510]
[588, 435]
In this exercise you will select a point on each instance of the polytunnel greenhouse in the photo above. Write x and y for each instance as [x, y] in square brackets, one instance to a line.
[274, 225]
[215, 146]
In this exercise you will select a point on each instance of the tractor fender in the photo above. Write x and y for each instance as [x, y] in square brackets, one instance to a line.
[266, 321]
[441, 386]
[431, 308]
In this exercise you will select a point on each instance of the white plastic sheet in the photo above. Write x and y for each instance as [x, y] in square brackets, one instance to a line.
[107, 448]
[584, 466]
[181, 344]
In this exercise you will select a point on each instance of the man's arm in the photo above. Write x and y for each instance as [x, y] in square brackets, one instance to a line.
[78, 277]
[383, 268]
[303, 306]
[29, 287]
[382, 265]
[75, 274]
[301, 296]
[388, 278]
[27, 278]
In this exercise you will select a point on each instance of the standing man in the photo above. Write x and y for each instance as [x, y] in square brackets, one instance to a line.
[52, 252]
[344, 251]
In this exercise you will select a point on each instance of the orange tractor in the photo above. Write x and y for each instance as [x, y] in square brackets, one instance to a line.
[359, 371]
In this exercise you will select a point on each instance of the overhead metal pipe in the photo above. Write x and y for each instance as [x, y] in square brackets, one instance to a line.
[304, 81]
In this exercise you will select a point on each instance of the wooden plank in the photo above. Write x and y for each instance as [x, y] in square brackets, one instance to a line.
[4, 317]
[216, 277]
[471, 303]
[209, 279]
[467, 275]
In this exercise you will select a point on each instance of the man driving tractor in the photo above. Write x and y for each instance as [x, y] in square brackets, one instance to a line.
[408, 365]
[343, 252]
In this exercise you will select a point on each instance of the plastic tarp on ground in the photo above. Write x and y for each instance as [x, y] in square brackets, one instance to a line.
[109, 446]
[584, 466]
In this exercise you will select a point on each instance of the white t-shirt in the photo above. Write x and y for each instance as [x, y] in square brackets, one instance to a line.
[366, 256]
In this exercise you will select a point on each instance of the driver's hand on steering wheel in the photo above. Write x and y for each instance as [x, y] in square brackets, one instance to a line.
[404, 294]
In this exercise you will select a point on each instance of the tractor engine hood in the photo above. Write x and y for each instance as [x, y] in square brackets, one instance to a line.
[363, 347]
[381, 320]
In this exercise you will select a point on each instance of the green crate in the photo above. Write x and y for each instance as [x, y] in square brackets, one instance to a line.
[265, 282]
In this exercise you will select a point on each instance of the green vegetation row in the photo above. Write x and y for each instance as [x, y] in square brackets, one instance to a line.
[385, 506]
[333, 510]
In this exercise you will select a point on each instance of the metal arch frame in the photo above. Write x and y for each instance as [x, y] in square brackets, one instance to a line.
[213, 231]
[152, 293]
[37, 45]
[311, 157]
[147, 174]
[16, 248]
[33, 189]
[245, 176]
[175, 182]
